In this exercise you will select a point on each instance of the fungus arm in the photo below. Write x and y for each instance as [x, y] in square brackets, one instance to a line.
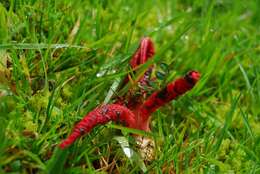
[143, 53]
[100, 115]
[170, 92]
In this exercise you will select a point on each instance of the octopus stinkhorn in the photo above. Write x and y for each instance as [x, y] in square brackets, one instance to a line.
[134, 112]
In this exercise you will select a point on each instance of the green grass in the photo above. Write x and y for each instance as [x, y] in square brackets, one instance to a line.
[52, 51]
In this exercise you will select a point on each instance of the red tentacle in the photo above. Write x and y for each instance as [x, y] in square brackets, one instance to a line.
[143, 53]
[170, 92]
[101, 115]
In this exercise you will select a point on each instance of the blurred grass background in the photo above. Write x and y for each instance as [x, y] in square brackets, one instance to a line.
[58, 60]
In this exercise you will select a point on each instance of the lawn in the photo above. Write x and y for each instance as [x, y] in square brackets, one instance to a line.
[61, 59]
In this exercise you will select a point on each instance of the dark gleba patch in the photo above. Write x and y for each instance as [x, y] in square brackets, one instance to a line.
[82, 130]
[189, 79]
[104, 110]
[162, 94]
[118, 113]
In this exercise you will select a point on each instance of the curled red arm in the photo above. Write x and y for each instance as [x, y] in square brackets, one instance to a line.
[101, 115]
[170, 92]
[143, 53]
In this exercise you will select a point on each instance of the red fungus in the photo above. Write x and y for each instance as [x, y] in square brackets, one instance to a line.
[143, 53]
[100, 115]
[134, 113]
